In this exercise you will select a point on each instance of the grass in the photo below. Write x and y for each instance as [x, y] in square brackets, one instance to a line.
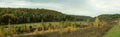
[114, 32]
[58, 29]
[92, 32]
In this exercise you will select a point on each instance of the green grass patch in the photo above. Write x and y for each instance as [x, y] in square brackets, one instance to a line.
[114, 32]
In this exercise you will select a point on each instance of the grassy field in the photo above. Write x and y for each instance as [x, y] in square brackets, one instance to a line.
[89, 31]
[57, 29]
[114, 32]
[76, 33]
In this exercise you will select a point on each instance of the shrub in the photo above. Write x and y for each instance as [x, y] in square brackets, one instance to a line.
[2, 34]
[104, 25]
[10, 31]
[24, 29]
[9, 18]
[36, 31]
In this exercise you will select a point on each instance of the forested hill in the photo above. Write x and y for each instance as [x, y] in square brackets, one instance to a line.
[108, 17]
[30, 15]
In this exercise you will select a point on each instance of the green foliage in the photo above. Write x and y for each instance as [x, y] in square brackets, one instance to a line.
[24, 29]
[109, 17]
[28, 15]
[8, 18]
[10, 31]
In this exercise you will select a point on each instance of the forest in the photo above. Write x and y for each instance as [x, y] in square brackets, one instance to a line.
[29, 15]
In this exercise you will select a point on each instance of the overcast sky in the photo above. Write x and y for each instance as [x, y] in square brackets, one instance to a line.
[75, 7]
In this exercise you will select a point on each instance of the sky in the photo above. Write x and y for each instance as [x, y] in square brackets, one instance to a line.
[74, 7]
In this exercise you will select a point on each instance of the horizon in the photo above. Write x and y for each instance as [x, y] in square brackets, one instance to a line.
[73, 7]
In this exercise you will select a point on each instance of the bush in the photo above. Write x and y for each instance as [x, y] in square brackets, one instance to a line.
[2, 32]
[8, 18]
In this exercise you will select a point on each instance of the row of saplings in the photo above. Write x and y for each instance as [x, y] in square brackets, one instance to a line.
[11, 30]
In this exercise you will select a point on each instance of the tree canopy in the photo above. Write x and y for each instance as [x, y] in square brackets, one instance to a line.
[30, 15]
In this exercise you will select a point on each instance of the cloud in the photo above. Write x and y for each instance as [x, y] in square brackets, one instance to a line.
[75, 7]
[105, 4]
[30, 4]
[98, 7]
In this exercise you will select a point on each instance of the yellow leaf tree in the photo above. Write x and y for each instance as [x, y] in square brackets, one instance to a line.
[97, 22]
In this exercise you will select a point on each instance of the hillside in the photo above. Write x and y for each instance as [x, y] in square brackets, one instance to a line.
[31, 15]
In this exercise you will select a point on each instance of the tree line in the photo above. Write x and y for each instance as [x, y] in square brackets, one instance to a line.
[30, 15]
